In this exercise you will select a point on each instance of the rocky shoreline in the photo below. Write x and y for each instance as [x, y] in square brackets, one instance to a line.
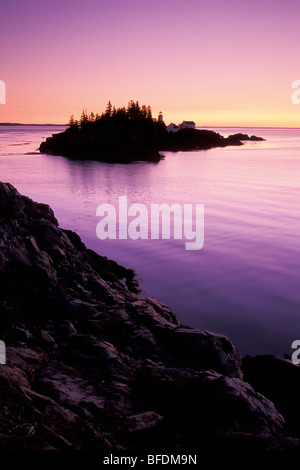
[93, 365]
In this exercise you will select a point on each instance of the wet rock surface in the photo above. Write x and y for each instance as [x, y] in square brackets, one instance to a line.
[93, 365]
[279, 380]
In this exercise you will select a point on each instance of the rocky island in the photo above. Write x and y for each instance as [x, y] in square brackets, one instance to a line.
[91, 364]
[130, 134]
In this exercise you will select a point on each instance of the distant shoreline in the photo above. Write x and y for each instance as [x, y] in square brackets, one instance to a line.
[197, 127]
[39, 125]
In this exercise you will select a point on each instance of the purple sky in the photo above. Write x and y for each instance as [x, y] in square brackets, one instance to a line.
[216, 62]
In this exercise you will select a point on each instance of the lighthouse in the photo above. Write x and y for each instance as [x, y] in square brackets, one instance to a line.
[160, 117]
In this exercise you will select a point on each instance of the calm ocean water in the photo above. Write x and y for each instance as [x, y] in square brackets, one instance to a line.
[245, 282]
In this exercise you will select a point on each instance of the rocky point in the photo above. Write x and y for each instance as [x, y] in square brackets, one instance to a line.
[91, 364]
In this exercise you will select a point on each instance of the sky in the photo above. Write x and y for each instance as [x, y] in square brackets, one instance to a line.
[216, 62]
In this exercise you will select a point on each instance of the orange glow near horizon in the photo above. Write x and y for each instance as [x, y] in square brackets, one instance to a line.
[16, 111]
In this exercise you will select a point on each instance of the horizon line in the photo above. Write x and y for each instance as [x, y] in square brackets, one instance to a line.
[220, 127]
[29, 124]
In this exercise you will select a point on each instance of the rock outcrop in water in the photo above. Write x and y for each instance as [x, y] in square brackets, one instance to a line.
[243, 137]
[92, 365]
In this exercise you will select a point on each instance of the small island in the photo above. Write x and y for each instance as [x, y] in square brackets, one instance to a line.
[131, 134]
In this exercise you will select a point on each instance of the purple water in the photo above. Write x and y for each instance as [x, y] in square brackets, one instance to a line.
[245, 282]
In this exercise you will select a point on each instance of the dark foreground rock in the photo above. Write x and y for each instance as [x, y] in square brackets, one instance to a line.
[92, 365]
[279, 380]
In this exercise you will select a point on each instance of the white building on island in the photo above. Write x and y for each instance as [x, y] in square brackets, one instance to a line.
[172, 127]
[187, 125]
[184, 125]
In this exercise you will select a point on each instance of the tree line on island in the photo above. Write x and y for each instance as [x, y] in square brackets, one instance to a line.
[133, 114]
[128, 134]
